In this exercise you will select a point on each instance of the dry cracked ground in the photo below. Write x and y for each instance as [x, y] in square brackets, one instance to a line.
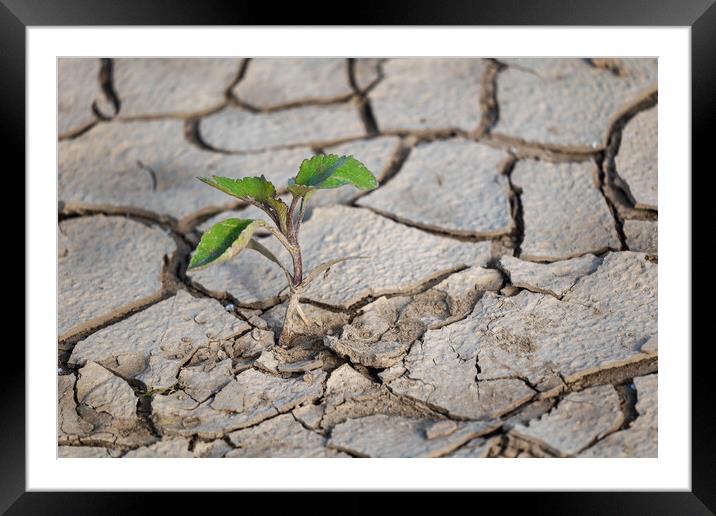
[507, 308]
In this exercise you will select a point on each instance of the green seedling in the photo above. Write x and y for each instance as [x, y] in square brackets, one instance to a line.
[229, 237]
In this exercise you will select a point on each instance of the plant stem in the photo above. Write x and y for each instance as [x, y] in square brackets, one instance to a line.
[281, 238]
[293, 308]
[297, 266]
[292, 223]
[290, 324]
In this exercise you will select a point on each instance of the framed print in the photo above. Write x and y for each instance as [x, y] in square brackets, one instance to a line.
[427, 240]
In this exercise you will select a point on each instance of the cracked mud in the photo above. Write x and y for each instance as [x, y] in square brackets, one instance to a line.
[506, 304]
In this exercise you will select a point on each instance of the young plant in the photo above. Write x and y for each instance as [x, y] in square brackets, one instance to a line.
[228, 238]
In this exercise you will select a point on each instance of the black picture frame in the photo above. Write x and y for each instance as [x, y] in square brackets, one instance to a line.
[700, 15]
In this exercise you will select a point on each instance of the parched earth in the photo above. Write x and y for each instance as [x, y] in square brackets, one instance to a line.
[507, 306]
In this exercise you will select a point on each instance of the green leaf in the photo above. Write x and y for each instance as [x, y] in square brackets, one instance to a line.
[257, 189]
[299, 190]
[224, 241]
[331, 171]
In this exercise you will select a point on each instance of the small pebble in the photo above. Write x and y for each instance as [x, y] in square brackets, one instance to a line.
[509, 291]
[255, 320]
